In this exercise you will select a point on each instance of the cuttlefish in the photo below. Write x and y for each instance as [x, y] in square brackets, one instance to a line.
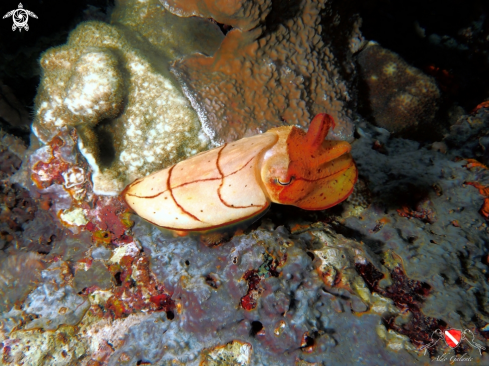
[237, 181]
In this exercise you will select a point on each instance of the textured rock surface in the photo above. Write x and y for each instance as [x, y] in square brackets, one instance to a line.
[368, 282]
[400, 97]
[241, 14]
[212, 286]
[426, 215]
[112, 83]
[55, 303]
[275, 67]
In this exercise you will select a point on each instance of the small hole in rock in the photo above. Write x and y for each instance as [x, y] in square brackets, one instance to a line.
[187, 262]
[212, 282]
[309, 342]
[104, 131]
[170, 315]
[118, 280]
[256, 326]
[223, 27]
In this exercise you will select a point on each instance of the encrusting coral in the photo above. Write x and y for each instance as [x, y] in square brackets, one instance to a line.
[400, 97]
[113, 85]
[275, 67]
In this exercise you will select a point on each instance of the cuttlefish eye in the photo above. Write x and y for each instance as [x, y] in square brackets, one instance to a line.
[284, 183]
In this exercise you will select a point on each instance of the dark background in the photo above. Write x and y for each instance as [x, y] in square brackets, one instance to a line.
[448, 39]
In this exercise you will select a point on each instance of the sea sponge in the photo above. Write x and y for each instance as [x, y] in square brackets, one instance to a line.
[275, 67]
[112, 83]
[399, 96]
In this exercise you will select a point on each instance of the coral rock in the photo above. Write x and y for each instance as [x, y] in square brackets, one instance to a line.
[400, 97]
[232, 353]
[280, 72]
[95, 87]
[115, 88]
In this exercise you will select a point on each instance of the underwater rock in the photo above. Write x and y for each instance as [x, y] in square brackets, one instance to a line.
[12, 152]
[290, 295]
[19, 275]
[241, 14]
[61, 348]
[432, 262]
[399, 97]
[264, 289]
[468, 136]
[97, 274]
[276, 67]
[113, 85]
[232, 353]
[17, 210]
[55, 302]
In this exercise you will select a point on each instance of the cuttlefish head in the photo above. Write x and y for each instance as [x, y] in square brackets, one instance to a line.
[304, 170]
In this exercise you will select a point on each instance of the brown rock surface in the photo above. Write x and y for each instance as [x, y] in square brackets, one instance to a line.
[400, 96]
[280, 72]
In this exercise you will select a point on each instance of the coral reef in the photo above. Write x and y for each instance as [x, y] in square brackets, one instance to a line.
[429, 217]
[16, 206]
[55, 302]
[209, 290]
[400, 97]
[117, 92]
[276, 66]
[370, 281]
[291, 290]
[16, 281]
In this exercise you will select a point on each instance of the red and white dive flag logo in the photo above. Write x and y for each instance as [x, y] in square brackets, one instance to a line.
[453, 337]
